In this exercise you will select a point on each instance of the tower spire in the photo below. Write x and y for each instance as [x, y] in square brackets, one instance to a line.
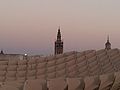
[59, 34]
[108, 38]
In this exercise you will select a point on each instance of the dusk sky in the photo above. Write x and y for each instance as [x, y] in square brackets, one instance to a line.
[30, 26]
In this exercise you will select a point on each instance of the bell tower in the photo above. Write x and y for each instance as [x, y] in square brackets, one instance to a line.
[108, 44]
[58, 43]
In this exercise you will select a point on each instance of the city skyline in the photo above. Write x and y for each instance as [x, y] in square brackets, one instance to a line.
[31, 26]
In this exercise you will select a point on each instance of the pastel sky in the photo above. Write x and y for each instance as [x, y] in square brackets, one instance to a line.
[30, 26]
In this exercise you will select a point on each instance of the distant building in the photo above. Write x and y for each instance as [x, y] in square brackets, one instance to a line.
[58, 44]
[108, 44]
[4, 57]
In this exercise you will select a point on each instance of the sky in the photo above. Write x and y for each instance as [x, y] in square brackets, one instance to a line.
[30, 26]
